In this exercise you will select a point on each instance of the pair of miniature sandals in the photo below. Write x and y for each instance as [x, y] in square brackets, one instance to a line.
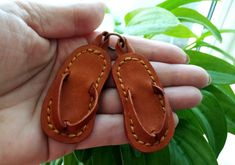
[70, 106]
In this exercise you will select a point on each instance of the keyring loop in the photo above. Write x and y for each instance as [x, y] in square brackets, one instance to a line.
[121, 40]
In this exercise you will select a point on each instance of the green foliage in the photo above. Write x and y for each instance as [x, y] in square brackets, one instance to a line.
[69, 159]
[189, 147]
[212, 120]
[190, 15]
[208, 33]
[202, 131]
[172, 4]
[220, 71]
[200, 44]
[180, 31]
[145, 20]
[226, 99]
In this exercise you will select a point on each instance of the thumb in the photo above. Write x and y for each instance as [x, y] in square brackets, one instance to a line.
[61, 21]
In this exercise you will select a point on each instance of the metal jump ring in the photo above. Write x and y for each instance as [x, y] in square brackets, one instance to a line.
[121, 40]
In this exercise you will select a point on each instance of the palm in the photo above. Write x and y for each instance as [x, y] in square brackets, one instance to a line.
[32, 62]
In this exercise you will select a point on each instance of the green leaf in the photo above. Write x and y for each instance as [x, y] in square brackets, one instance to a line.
[221, 78]
[208, 33]
[189, 147]
[172, 4]
[180, 31]
[190, 15]
[205, 44]
[48, 163]
[107, 10]
[226, 98]
[69, 159]
[55, 162]
[117, 154]
[103, 156]
[89, 162]
[189, 116]
[153, 20]
[220, 71]
[212, 120]
[158, 158]
[209, 118]
[60, 162]
[177, 154]
[227, 89]
[83, 155]
[126, 154]
[129, 158]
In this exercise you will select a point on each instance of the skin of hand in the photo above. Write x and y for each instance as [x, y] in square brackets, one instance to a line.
[35, 40]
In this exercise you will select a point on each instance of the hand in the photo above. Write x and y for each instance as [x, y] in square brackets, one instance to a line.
[35, 40]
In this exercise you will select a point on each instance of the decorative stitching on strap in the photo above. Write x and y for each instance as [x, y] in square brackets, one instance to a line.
[128, 59]
[67, 69]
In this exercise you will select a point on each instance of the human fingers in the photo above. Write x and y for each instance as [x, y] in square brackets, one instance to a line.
[177, 75]
[54, 21]
[108, 130]
[179, 97]
[153, 50]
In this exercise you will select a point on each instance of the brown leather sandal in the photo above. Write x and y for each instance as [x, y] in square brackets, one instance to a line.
[69, 109]
[148, 117]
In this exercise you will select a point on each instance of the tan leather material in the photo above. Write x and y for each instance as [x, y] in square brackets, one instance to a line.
[69, 109]
[148, 117]
[70, 106]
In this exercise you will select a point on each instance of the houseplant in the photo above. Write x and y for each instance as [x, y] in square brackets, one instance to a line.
[202, 131]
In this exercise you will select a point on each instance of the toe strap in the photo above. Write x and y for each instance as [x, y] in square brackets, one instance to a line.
[64, 125]
[91, 113]
[137, 129]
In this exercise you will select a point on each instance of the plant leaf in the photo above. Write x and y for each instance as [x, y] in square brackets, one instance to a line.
[117, 154]
[126, 154]
[190, 15]
[221, 78]
[158, 158]
[153, 20]
[69, 159]
[129, 158]
[224, 74]
[205, 44]
[208, 33]
[103, 156]
[209, 118]
[226, 98]
[180, 31]
[55, 162]
[172, 4]
[189, 116]
[47, 163]
[189, 147]
[107, 10]
[83, 155]
[212, 120]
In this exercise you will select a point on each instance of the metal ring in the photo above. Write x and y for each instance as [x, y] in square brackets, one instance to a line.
[121, 40]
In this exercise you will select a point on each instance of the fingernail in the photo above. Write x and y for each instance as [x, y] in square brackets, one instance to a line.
[210, 80]
[188, 59]
[176, 119]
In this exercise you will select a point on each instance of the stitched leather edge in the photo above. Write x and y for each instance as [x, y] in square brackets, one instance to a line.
[132, 127]
[67, 69]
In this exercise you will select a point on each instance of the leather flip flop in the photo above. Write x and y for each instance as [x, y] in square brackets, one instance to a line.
[69, 108]
[148, 118]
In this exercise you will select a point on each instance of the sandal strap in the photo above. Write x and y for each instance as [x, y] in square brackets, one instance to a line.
[135, 122]
[63, 125]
